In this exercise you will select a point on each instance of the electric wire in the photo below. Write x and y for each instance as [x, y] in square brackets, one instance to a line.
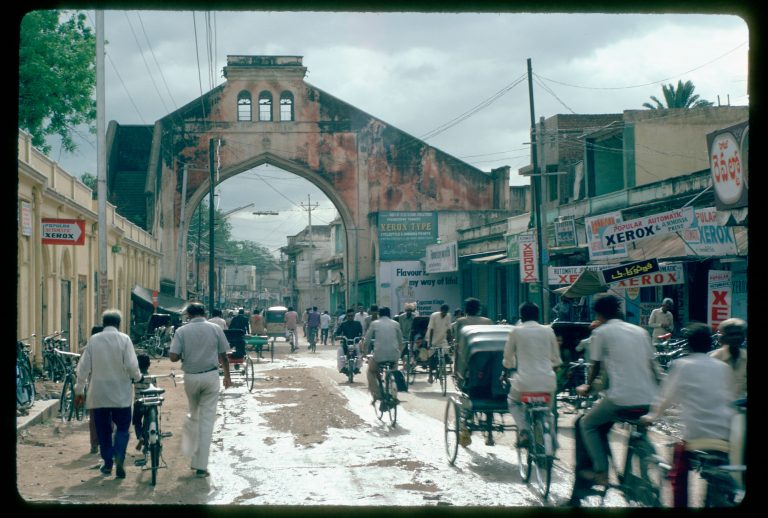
[144, 59]
[154, 57]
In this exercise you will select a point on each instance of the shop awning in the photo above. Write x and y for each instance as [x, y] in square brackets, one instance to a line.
[165, 303]
[488, 258]
[587, 283]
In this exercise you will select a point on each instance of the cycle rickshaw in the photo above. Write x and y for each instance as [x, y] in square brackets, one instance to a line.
[274, 320]
[481, 404]
[419, 360]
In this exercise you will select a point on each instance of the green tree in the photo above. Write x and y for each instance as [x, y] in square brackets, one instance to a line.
[57, 76]
[680, 97]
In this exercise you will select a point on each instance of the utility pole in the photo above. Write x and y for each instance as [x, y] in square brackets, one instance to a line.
[212, 154]
[536, 205]
[101, 164]
[309, 209]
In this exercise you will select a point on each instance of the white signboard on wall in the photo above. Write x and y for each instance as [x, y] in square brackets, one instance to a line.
[707, 238]
[529, 265]
[442, 258]
[407, 281]
[647, 226]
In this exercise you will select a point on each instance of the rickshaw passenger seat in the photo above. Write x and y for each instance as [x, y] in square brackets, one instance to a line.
[484, 376]
[236, 340]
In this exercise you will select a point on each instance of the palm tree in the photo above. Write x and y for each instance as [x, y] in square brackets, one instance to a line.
[682, 97]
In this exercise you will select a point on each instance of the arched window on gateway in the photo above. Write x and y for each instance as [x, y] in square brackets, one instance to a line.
[265, 106]
[244, 106]
[286, 106]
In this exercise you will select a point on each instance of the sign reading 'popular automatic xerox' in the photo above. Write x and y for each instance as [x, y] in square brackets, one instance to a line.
[63, 231]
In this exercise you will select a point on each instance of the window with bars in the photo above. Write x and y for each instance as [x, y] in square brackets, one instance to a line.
[265, 106]
[286, 106]
[244, 106]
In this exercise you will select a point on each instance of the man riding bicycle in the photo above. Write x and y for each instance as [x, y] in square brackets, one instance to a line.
[387, 338]
[533, 351]
[313, 325]
[349, 329]
[625, 350]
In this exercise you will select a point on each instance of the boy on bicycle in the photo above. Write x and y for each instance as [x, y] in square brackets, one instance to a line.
[138, 411]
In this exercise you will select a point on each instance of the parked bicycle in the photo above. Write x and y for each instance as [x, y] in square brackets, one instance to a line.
[53, 368]
[25, 382]
[150, 402]
[68, 410]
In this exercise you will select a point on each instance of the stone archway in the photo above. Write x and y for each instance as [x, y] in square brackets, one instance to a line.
[265, 113]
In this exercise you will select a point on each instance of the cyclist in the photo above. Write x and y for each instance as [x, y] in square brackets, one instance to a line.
[438, 333]
[348, 329]
[732, 333]
[291, 323]
[405, 319]
[472, 310]
[626, 351]
[388, 344]
[533, 351]
[325, 326]
[700, 386]
[313, 325]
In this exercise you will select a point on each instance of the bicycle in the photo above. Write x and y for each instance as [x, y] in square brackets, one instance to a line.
[722, 489]
[537, 457]
[53, 368]
[151, 433]
[388, 391]
[67, 407]
[25, 383]
[153, 344]
[292, 339]
[312, 338]
[641, 481]
[441, 370]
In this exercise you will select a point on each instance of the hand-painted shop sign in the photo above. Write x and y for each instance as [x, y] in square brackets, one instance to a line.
[707, 238]
[728, 153]
[648, 226]
[669, 273]
[63, 231]
[565, 232]
[405, 235]
[596, 227]
[442, 258]
[529, 271]
[627, 271]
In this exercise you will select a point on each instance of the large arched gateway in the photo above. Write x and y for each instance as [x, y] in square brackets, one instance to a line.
[266, 113]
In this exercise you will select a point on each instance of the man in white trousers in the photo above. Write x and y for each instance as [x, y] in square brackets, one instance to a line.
[201, 346]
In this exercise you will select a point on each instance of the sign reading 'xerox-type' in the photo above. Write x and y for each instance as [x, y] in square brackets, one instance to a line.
[63, 231]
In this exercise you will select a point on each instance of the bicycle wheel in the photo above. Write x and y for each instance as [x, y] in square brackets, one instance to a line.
[350, 369]
[391, 397]
[25, 386]
[524, 460]
[441, 375]
[644, 482]
[272, 351]
[67, 401]
[410, 368]
[154, 442]
[250, 373]
[452, 426]
[541, 459]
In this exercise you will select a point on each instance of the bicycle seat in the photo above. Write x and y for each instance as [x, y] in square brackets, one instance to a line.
[708, 445]
[631, 415]
[386, 365]
[535, 397]
[152, 391]
[665, 336]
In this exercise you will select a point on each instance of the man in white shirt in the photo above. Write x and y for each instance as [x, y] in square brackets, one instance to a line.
[325, 325]
[109, 366]
[661, 320]
[699, 385]
[387, 339]
[217, 319]
[626, 352]
[438, 331]
[532, 350]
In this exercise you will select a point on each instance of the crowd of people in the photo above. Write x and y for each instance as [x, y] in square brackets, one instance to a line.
[702, 384]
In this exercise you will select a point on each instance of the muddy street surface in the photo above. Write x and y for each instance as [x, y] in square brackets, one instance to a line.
[303, 436]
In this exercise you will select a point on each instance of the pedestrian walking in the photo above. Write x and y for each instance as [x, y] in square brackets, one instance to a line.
[109, 366]
[325, 325]
[201, 346]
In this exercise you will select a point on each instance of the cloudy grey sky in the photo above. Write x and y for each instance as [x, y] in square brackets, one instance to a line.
[455, 79]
